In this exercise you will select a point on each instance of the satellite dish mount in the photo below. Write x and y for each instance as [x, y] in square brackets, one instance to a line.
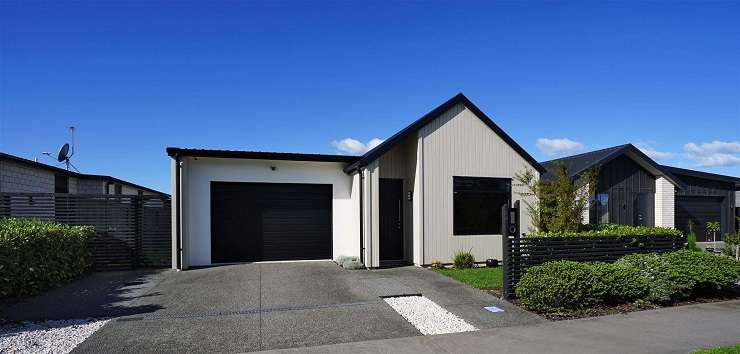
[66, 151]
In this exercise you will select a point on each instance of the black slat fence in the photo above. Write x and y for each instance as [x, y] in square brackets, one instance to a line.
[131, 231]
[521, 253]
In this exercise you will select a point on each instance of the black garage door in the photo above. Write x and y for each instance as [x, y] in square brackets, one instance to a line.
[270, 221]
[698, 210]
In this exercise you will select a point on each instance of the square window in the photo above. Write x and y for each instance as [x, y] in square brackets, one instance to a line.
[477, 204]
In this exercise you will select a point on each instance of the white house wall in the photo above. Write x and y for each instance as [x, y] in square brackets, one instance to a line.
[198, 173]
[460, 144]
[665, 196]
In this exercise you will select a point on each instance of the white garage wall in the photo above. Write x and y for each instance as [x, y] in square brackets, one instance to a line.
[202, 171]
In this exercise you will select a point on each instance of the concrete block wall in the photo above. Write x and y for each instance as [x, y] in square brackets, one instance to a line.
[17, 178]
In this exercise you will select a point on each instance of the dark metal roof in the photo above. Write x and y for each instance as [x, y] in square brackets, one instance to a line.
[705, 175]
[58, 170]
[578, 164]
[260, 155]
[384, 147]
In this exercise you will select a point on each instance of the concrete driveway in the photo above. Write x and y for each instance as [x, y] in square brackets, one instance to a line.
[251, 307]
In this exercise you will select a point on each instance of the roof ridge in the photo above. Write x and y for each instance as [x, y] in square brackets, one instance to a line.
[615, 147]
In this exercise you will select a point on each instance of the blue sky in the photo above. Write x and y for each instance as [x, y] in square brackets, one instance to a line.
[136, 77]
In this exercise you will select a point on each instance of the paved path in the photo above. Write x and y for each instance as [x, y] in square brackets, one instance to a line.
[669, 330]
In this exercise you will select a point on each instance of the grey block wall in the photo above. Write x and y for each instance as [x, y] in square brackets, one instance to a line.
[17, 178]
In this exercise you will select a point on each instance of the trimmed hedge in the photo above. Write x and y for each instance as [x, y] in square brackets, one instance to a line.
[654, 278]
[36, 255]
[614, 230]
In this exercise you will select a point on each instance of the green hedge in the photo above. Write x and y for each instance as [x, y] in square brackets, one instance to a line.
[36, 255]
[654, 278]
[602, 230]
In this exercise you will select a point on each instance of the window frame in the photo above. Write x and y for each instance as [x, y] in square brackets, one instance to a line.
[459, 230]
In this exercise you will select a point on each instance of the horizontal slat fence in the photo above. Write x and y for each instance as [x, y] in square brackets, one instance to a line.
[521, 253]
[130, 231]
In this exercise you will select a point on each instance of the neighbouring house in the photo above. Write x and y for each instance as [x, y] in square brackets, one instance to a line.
[632, 189]
[19, 175]
[434, 188]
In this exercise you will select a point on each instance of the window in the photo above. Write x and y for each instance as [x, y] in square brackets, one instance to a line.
[61, 184]
[600, 209]
[477, 204]
[119, 189]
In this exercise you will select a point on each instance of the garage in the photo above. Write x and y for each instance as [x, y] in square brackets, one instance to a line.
[253, 222]
[699, 210]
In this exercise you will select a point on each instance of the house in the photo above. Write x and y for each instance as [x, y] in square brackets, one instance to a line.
[434, 188]
[19, 175]
[632, 189]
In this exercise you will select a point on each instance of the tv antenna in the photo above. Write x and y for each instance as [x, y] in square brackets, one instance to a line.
[66, 152]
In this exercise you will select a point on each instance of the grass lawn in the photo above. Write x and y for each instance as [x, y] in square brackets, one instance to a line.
[733, 349]
[480, 278]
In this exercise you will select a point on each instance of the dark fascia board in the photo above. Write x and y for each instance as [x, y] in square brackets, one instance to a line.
[388, 144]
[622, 150]
[62, 171]
[259, 155]
[705, 175]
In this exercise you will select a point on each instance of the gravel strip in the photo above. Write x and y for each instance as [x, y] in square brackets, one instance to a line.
[427, 316]
[47, 336]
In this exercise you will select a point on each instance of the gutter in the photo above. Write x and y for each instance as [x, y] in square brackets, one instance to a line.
[178, 243]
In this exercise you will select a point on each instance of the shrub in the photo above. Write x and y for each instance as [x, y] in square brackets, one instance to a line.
[662, 284]
[353, 264]
[731, 243]
[555, 286]
[681, 274]
[601, 230]
[691, 242]
[36, 255]
[621, 283]
[463, 260]
[702, 271]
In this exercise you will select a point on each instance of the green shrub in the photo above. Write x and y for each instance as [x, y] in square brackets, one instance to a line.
[463, 260]
[682, 274]
[36, 255]
[691, 242]
[657, 271]
[703, 271]
[621, 283]
[731, 243]
[560, 285]
[602, 230]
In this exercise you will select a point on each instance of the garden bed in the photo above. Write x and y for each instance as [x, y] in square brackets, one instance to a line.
[606, 310]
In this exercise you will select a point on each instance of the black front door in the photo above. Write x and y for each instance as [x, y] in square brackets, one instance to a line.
[644, 209]
[391, 219]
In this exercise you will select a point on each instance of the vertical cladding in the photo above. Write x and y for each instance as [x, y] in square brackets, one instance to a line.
[705, 187]
[664, 203]
[622, 178]
[459, 144]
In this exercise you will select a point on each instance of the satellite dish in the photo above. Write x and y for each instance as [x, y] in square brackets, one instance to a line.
[62, 156]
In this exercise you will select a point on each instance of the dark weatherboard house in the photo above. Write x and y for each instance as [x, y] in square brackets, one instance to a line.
[632, 189]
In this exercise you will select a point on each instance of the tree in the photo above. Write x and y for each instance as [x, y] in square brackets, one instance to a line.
[557, 206]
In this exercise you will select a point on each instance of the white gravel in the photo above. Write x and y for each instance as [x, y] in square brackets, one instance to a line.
[47, 336]
[427, 316]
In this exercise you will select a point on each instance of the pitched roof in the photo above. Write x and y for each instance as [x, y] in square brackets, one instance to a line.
[260, 155]
[58, 170]
[388, 144]
[705, 175]
[578, 164]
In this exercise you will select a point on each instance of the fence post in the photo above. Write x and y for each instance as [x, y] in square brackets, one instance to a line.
[509, 232]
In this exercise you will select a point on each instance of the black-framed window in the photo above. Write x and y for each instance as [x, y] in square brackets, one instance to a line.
[477, 204]
[118, 189]
[61, 184]
[599, 209]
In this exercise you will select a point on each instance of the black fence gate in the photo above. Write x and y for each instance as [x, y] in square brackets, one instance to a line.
[131, 231]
